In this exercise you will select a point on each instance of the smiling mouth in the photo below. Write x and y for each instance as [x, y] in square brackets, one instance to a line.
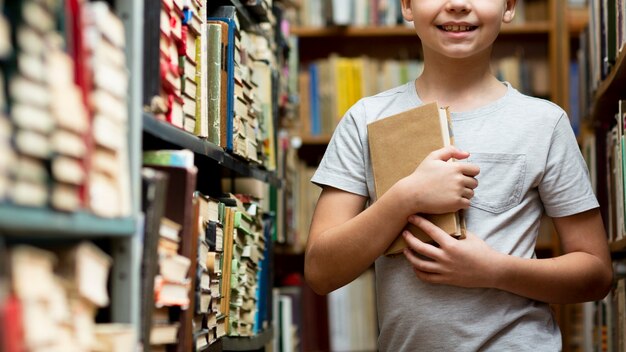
[455, 28]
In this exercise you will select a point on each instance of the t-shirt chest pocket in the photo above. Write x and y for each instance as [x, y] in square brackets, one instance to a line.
[500, 182]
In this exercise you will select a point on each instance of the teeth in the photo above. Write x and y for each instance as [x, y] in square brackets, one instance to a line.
[455, 28]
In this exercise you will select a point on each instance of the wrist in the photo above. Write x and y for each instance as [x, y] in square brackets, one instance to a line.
[407, 196]
[502, 272]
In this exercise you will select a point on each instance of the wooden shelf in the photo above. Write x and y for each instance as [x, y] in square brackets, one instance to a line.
[610, 91]
[542, 27]
[44, 222]
[315, 140]
[577, 19]
[296, 4]
[403, 31]
[618, 246]
[182, 139]
[252, 343]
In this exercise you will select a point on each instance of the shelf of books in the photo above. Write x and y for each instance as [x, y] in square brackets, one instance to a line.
[210, 172]
[179, 138]
[166, 266]
[602, 59]
[68, 217]
[610, 89]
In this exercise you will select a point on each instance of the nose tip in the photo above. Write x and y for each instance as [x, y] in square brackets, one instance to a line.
[458, 6]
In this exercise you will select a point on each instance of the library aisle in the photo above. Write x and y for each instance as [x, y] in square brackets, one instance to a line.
[156, 157]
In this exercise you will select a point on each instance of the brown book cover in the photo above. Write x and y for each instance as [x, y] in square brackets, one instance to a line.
[227, 262]
[398, 144]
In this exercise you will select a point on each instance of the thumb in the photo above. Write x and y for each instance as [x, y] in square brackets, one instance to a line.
[448, 152]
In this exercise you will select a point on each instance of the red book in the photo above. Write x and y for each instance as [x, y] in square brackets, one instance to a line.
[11, 334]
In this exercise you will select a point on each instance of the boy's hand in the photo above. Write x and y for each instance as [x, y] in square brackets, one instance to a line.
[469, 262]
[439, 186]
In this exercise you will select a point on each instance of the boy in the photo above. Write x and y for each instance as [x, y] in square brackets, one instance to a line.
[517, 156]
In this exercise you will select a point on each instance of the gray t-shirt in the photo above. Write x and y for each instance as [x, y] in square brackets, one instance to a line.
[529, 162]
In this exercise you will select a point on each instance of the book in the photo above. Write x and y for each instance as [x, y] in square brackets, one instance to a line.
[173, 158]
[398, 144]
[87, 268]
[227, 14]
[153, 191]
[180, 208]
[114, 337]
[214, 72]
[174, 268]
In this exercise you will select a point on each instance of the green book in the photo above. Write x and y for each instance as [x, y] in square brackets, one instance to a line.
[243, 222]
[214, 72]
[174, 158]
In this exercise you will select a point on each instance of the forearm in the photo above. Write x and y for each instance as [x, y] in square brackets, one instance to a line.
[570, 278]
[341, 253]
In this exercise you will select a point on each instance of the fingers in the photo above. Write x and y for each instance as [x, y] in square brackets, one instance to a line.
[432, 230]
[447, 153]
[468, 169]
[470, 182]
[468, 193]
[420, 247]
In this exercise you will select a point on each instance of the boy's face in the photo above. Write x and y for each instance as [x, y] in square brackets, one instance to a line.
[458, 28]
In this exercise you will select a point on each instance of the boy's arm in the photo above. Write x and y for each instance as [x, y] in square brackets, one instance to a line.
[344, 239]
[582, 273]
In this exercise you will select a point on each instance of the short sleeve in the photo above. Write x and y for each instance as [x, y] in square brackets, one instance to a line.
[565, 188]
[343, 164]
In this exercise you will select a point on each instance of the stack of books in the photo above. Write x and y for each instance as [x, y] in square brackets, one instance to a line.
[209, 320]
[67, 113]
[169, 104]
[192, 61]
[60, 293]
[109, 181]
[171, 285]
[31, 100]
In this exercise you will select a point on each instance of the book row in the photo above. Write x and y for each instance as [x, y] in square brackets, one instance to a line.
[600, 45]
[212, 255]
[51, 297]
[329, 87]
[63, 116]
[615, 171]
[207, 74]
[608, 318]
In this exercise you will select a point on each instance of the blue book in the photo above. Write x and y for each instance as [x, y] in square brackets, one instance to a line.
[316, 125]
[264, 288]
[227, 14]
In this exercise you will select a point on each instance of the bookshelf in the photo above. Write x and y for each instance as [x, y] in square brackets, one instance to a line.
[172, 136]
[602, 48]
[248, 343]
[549, 35]
[609, 91]
[123, 238]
